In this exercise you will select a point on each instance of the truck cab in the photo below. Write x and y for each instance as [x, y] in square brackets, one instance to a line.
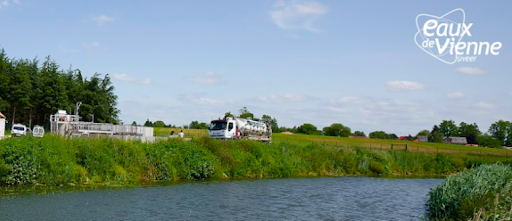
[223, 129]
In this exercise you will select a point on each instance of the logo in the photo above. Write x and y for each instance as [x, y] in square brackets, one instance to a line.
[442, 38]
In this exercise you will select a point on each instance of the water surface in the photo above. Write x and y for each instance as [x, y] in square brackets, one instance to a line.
[345, 198]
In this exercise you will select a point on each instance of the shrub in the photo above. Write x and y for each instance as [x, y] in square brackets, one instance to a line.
[484, 190]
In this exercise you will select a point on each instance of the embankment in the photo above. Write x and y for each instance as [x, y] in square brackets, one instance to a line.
[54, 160]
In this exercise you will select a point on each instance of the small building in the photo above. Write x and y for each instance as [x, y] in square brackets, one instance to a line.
[456, 140]
[422, 138]
[2, 125]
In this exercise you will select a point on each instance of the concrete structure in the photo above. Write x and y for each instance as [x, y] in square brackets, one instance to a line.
[2, 126]
[70, 125]
[456, 140]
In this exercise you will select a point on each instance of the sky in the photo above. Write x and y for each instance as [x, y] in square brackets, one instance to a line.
[319, 62]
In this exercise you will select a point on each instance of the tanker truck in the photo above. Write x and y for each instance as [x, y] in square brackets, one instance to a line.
[239, 128]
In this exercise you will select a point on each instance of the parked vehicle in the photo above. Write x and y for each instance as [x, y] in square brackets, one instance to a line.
[18, 130]
[38, 131]
[239, 128]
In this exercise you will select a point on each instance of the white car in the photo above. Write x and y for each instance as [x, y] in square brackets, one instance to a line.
[18, 130]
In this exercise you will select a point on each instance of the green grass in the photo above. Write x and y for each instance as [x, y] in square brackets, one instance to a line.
[356, 142]
[54, 160]
[484, 193]
[386, 144]
[165, 131]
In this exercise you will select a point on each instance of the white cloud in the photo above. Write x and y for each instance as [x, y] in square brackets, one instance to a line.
[66, 50]
[470, 71]
[297, 14]
[404, 86]
[7, 3]
[4, 3]
[345, 100]
[91, 46]
[484, 105]
[207, 78]
[455, 95]
[336, 109]
[289, 98]
[200, 99]
[128, 78]
[102, 19]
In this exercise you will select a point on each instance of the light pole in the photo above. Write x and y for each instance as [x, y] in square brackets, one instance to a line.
[92, 115]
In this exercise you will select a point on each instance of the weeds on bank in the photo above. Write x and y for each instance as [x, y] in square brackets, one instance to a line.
[54, 160]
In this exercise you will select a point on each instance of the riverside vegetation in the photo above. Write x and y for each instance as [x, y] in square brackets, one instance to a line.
[54, 160]
[484, 193]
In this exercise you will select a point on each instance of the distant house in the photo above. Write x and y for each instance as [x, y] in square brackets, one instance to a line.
[2, 125]
[404, 138]
[456, 140]
[422, 138]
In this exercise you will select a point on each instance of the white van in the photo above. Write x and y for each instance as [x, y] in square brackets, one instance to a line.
[38, 131]
[18, 130]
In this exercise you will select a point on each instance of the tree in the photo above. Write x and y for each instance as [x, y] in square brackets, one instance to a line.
[378, 135]
[501, 131]
[244, 113]
[31, 93]
[392, 136]
[148, 123]
[423, 133]
[470, 131]
[273, 122]
[307, 129]
[337, 129]
[448, 128]
[228, 114]
[435, 135]
[194, 125]
[359, 134]
[159, 123]
[286, 129]
[203, 126]
[134, 123]
[487, 140]
[197, 125]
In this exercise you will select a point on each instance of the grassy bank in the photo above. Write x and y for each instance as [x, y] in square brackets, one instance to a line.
[484, 193]
[386, 144]
[54, 160]
[368, 143]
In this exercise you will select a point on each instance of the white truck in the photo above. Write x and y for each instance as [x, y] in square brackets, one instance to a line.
[239, 128]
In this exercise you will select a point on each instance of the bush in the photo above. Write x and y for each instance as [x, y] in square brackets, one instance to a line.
[483, 192]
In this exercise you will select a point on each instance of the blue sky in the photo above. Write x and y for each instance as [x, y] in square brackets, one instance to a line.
[318, 62]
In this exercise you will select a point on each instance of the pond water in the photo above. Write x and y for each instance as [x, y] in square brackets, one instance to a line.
[348, 198]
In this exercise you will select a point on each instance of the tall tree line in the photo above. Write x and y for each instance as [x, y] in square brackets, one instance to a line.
[30, 93]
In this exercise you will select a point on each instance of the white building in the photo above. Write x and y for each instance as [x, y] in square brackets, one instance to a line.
[2, 125]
